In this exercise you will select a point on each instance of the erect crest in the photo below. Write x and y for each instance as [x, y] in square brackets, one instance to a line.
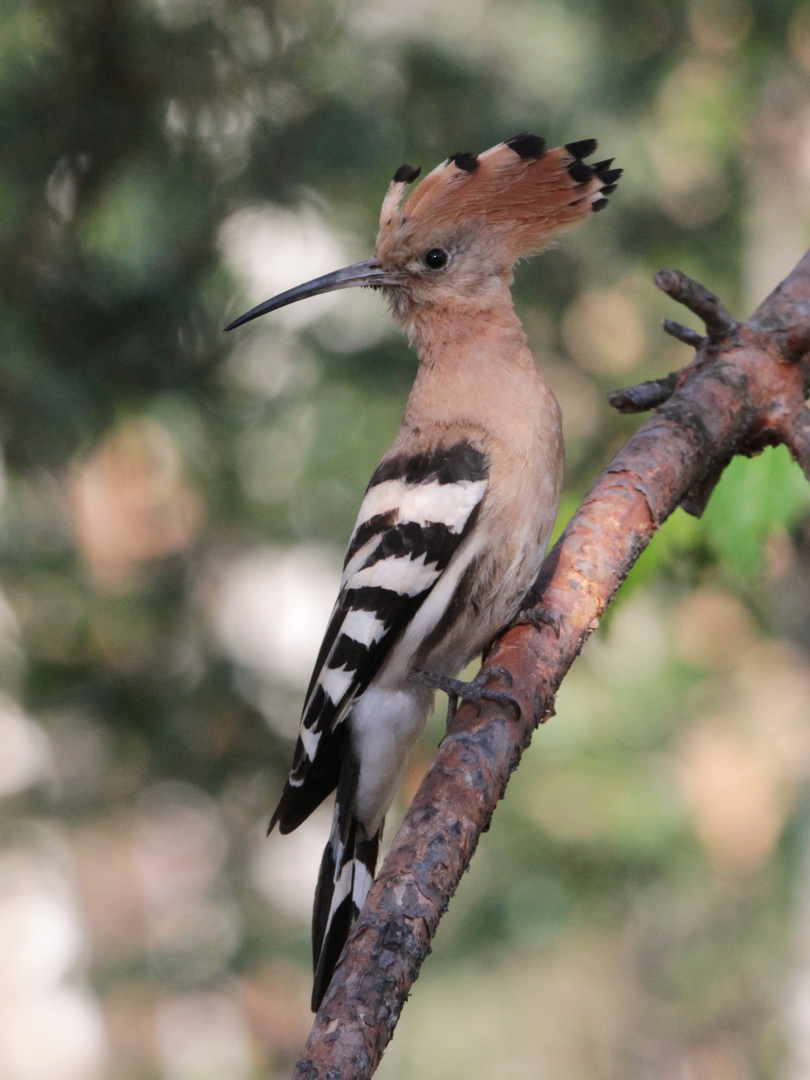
[523, 192]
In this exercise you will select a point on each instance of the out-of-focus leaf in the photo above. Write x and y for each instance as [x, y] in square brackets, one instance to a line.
[754, 496]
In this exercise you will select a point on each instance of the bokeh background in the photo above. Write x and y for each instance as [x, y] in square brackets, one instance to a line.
[175, 503]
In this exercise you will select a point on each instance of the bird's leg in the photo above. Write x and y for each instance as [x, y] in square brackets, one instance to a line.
[475, 691]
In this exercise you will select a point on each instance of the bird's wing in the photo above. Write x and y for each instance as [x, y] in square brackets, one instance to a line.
[416, 513]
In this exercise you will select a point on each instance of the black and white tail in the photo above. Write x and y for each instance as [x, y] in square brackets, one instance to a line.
[346, 874]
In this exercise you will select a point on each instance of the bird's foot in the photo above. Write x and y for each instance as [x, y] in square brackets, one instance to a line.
[475, 691]
[538, 617]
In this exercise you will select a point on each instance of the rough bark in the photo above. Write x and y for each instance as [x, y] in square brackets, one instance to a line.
[744, 390]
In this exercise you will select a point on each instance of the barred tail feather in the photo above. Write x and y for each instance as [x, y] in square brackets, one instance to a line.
[311, 781]
[347, 871]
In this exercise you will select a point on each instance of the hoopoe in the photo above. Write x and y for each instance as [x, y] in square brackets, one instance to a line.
[455, 520]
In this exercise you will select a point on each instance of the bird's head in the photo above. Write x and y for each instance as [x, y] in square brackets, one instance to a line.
[456, 237]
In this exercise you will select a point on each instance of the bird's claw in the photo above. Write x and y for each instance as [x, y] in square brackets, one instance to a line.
[496, 672]
[538, 617]
[475, 691]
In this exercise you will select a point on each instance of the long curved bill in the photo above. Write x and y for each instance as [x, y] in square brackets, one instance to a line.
[367, 273]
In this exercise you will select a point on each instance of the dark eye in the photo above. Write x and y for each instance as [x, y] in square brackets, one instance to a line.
[436, 258]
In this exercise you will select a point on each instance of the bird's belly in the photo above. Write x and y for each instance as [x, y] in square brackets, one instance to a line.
[385, 724]
[493, 601]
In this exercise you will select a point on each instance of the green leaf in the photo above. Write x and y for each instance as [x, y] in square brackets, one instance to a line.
[754, 496]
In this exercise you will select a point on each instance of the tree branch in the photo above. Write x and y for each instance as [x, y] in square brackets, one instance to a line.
[744, 390]
[682, 333]
[718, 322]
[646, 395]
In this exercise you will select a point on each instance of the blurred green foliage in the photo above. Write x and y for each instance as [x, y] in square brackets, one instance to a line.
[620, 919]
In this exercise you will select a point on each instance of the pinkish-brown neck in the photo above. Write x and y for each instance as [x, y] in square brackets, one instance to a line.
[475, 367]
[455, 321]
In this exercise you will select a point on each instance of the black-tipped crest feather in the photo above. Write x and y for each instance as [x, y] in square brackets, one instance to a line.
[580, 172]
[609, 176]
[527, 145]
[406, 174]
[464, 160]
[582, 149]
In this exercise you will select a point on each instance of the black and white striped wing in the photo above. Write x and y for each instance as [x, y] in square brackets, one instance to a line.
[416, 513]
